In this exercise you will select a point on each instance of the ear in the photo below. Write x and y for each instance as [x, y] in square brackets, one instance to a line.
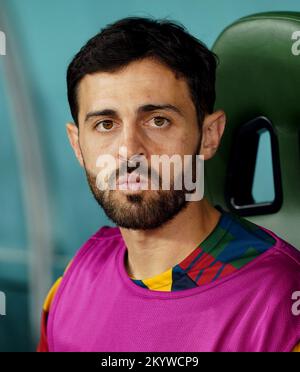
[212, 131]
[73, 135]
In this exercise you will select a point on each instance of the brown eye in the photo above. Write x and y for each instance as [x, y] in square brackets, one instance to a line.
[105, 125]
[160, 121]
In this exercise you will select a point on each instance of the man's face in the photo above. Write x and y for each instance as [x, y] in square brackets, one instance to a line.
[146, 109]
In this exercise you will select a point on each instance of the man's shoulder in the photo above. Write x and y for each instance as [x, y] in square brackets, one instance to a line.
[288, 257]
[255, 240]
[105, 232]
[288, 254]
[281, 266]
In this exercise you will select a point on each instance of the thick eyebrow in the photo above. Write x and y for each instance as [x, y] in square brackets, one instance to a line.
[141, 109]
[151, 107]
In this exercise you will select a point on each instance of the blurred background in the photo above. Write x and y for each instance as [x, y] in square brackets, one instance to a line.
[47, 211]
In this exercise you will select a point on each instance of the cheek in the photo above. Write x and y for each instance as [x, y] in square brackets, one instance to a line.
[191, 141]
[184, 139]
[172, 156]
[99, 156]
[188, 144]
[185, 145]
[91, 149]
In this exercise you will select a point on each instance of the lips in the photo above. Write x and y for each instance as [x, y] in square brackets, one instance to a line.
[132, 181]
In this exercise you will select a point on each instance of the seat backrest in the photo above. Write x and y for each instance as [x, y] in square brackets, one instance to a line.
[258, 86]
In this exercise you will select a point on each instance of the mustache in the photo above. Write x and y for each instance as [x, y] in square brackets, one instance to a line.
[127, 168]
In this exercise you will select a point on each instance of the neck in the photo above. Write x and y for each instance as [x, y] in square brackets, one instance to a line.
[154, 251]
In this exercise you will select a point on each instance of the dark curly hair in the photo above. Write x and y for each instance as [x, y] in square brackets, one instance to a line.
[135, 38]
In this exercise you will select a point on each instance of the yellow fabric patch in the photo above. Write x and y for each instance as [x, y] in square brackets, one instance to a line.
[161, 282]
[297, 348]
[51, 295]
[53, 290]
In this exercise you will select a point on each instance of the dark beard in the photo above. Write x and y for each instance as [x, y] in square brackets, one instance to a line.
[139, 211]
[147, 209]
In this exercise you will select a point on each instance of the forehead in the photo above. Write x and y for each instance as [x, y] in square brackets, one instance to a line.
[144, 81]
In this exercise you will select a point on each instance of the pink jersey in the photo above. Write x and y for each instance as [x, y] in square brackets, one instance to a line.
[99, 308]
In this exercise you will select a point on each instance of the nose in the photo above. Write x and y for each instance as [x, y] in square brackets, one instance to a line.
[131, 144]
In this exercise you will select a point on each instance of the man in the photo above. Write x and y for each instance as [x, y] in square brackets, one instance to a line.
[176, 274]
